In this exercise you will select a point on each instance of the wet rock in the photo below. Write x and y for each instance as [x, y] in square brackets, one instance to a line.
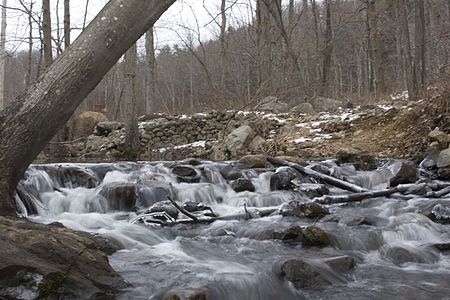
[119, 195]
[313, 190]
[151, 192]
[440, 137]
[440, 214]
[314, 236]
[164, 206]
[105, 128]
[355, 220]
[281, 180]
[341, 264]
[192, 207]
[313, 210]
[186, 174]
[442, 247]
[302, 274]
[230, 172]
[272, 104]
[253, 161]
[241, 184]
[73, 176]
[107, 244]
[304, 108]
[188, 294]
[400, 255]
[184, 171]
[361, 161]
[443, 159]
[404, 171]
[297, 209]
[290, 234]
[48, 262]
[191, 162]
[443, 173]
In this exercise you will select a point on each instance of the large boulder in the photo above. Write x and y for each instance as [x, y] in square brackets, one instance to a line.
[326, 104]
[105, 128]
[238, 140]
[119, 195]
[83, 125]
[314, 274]
[253, 161]
[404, 171]
[304, 108]
[440, 138]
[52, 262]
[314, 236]
[443, 159]
[272, 104]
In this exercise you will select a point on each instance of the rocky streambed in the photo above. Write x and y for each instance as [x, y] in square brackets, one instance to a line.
[256, 228]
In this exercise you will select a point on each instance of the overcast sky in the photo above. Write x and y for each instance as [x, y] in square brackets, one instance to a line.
[169, 28]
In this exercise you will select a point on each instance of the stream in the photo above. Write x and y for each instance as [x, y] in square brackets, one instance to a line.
[391, 240]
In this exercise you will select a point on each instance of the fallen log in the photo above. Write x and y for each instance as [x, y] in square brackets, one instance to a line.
[355, 197]
[325, 178]
[440, 193]
[264, 212]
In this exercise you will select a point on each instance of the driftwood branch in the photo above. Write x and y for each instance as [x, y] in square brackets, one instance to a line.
[182, 210]
[440, 193]
[326, 178]
[355, 197]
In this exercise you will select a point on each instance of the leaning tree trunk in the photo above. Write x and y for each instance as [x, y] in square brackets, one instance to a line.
[3, 56]
[31, 120]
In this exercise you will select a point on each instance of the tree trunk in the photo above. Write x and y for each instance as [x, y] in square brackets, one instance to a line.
[66, 24]
[150, 74]
[420, 44]
[30, 45]
[263, 48]
[409, 70]
[47, 33]
[327, 51]
[375, 49]
[3, 56]
[223, 48]
[132, 143]
[31, 120]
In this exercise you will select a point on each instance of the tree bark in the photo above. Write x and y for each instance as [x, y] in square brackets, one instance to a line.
[66, 24]
[31, 120]
[223, 48]
[263, 48]
[411, 81]
[132, 143]
[420, 44]
[47, 33]
[3, 56]
[327, 51]
[150, 74]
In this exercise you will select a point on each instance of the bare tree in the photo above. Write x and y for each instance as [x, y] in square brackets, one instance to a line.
[31, 120]
[3, 56]
[420, 44]
[223, 46]
[132, 133]
[150, 74]
[47, 33]
[327, 51]
[66, 23]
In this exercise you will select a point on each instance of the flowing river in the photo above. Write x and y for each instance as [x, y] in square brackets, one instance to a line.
[390, 239]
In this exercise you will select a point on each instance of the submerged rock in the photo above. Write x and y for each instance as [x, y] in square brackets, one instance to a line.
[241, 184]
[402, 254]
[49, 262]
[120, 195]
[314, 236]
[310, 210]
[188, 294]
[314, 274]
[290, 234]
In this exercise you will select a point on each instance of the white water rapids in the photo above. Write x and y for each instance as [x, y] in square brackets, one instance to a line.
[233, 259]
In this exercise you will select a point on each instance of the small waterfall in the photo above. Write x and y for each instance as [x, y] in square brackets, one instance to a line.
[234, 259]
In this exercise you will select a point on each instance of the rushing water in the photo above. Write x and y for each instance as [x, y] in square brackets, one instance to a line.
[234, 259]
